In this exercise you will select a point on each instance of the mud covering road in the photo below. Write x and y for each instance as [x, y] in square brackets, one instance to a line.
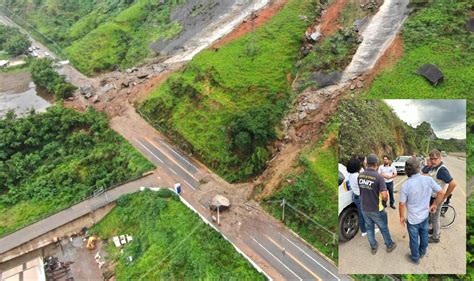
[446, 257]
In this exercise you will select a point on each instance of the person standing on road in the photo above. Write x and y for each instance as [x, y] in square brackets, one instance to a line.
[439, 172]
[353, 168]
[372, 192]
[388, 172]
[414, 197]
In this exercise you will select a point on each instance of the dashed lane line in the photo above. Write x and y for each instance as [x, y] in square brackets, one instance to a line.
[284, 265]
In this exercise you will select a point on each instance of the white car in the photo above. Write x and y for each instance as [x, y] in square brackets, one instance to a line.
[399, 163]
[348, 215]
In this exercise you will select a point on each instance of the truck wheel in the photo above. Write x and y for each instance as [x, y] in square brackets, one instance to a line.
[348, 224]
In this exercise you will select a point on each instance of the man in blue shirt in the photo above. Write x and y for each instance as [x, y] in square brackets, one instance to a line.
[415, 197]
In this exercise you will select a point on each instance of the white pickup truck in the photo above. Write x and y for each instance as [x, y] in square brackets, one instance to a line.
[348, 216]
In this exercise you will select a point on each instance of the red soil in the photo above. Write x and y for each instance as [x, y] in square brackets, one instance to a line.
[387, 60]
[329, 23]
[245, 27]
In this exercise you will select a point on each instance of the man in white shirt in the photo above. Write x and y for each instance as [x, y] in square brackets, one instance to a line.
[388, 172]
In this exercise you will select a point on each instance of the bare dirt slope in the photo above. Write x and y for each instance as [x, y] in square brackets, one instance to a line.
[255, 20]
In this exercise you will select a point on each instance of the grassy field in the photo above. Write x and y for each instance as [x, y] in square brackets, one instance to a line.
[98, 36]
[225, 105]
[121, 41]
[312, 189]
[170, 242]
[435, 34]
[51, 160]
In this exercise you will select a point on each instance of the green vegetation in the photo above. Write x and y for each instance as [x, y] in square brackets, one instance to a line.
[12, 41]
[98, 35]
[170, 242]
[312, 189]
[357, 136]
[44, 75]
[243, 84]
[470, 240]
[51, 160]
[332, 54]
[470, 138]
[434, 34]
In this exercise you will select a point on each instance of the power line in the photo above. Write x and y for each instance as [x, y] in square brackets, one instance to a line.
[284, 203]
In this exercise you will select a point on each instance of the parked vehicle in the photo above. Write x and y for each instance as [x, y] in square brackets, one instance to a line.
[348, 216]
[444, 153]
[399, 163]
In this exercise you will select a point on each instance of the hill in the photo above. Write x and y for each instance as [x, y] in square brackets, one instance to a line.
[437, 34]
[97, 36]
[370, 126]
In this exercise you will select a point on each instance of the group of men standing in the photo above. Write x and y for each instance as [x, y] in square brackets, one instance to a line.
[421, 197]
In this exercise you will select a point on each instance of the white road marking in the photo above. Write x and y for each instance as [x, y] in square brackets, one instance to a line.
[179, 155]
[171, 169]
[171, 159]
[161, 161]
[276, 258]
[189, 185]
[337, 278]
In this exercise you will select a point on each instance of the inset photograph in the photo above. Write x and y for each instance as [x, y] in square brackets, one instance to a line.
[402, 186]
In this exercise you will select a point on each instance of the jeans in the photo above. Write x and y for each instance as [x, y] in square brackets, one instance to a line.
[434, 220]
[379, 219]
[390, 194]
[356, 200]
[416, 231]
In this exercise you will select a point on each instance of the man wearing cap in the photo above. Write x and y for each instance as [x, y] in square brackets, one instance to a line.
[415, 198]
[440, 174]
[372, 193]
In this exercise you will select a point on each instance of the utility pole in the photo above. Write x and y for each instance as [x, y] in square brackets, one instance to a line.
[283, 212]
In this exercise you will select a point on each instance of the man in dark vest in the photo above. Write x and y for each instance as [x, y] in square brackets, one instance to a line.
[373, 192]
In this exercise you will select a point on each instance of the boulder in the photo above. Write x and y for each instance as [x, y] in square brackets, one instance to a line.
[220, 202]
[431, 72]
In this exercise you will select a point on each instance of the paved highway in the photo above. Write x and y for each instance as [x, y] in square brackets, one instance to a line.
[278, 248]
[261, 237]
[280, 253]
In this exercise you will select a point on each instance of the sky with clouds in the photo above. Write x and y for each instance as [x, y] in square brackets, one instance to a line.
[447, 117]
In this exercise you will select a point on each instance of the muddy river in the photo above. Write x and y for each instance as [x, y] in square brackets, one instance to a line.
[18, 92]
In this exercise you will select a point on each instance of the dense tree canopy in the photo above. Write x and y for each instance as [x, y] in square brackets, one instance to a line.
[52, 159]
[170, 242]
[13, 41]
[44, 75]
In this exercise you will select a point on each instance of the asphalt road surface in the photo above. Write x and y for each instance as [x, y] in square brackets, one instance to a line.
[280, 253]
[446, 257]
[280, 249]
